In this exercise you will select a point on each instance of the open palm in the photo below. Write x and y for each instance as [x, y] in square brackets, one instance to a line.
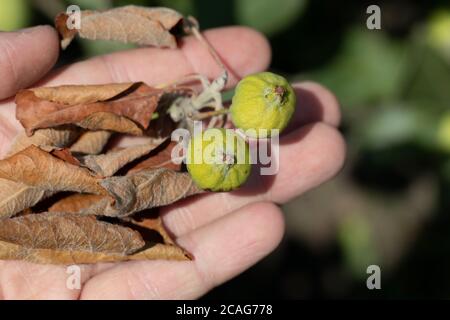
[226, 232]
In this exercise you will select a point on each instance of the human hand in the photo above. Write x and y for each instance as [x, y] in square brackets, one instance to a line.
[226, 232]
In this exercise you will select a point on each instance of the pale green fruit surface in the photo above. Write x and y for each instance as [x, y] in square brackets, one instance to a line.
[263, 101]
[218, 160]
[14, 14]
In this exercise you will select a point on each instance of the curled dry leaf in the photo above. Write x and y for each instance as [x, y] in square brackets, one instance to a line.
[62, 238]
[159, 158]
[152, 229]
[33, 174]
[91, 142]
[81, 94]
[65, 155]
[128, 111]
[143, 190]
[106, 165]
[60, 137]
[129, 24]
[75, 203]
[16, 197]
[37, 168]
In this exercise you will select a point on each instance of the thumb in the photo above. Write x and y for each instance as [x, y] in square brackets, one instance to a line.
[25, 57]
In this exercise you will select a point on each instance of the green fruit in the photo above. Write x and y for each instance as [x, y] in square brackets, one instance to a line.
[218, 160]
[14, 14]
[263, 101]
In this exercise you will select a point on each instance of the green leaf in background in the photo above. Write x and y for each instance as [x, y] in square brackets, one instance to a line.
[395, 124]
[438, 30]
[14, 14]
[443, 132]
[370, 68]
[429, 83]
[391, 126]
[91, 4]
[357, 243]
[185, 7]
[268, 16]
[101, 47]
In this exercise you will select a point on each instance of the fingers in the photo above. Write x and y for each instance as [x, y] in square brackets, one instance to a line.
[222, 250]
[315, 103]
[29, 281]
[308, 157]
[25, 56]
[156, 66]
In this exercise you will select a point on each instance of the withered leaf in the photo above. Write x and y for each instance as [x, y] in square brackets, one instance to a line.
[106, 165]
[81, 94]
[129, 111]
[91, 142]
[62, 238]
[37, 168]
[143, 190]
[147, 224]
[33, 174]
[148, 220]
[159, 158]
[16, 196]
[65, 155]
[55, 137]
[129, 24]
[65, 238]
[75, 203]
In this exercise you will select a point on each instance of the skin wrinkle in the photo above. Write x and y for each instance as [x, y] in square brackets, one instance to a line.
[130, 287]
[9, 50]
[26, 280]
[204, 278]
[112, 70]
[25, 36]
[185, 218]
[153, 290]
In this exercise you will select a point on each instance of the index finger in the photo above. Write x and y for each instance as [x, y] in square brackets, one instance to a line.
[242, 49]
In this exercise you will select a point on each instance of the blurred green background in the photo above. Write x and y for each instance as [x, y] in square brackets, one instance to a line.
[390, 205]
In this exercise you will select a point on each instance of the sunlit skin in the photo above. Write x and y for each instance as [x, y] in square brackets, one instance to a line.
[226, 232]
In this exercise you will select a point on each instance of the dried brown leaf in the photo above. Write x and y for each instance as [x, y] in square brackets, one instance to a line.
[37, 168]
[16, 197]
[91, 142]
[143, 190]
[129, 24]
[65, 238]
[159, 158]
[75, 203]
[128, 112]
[151, 221]
[61, 238]
[65, 155]
[55, 137]
[106, 165]
[81, 94]
[33, 174]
